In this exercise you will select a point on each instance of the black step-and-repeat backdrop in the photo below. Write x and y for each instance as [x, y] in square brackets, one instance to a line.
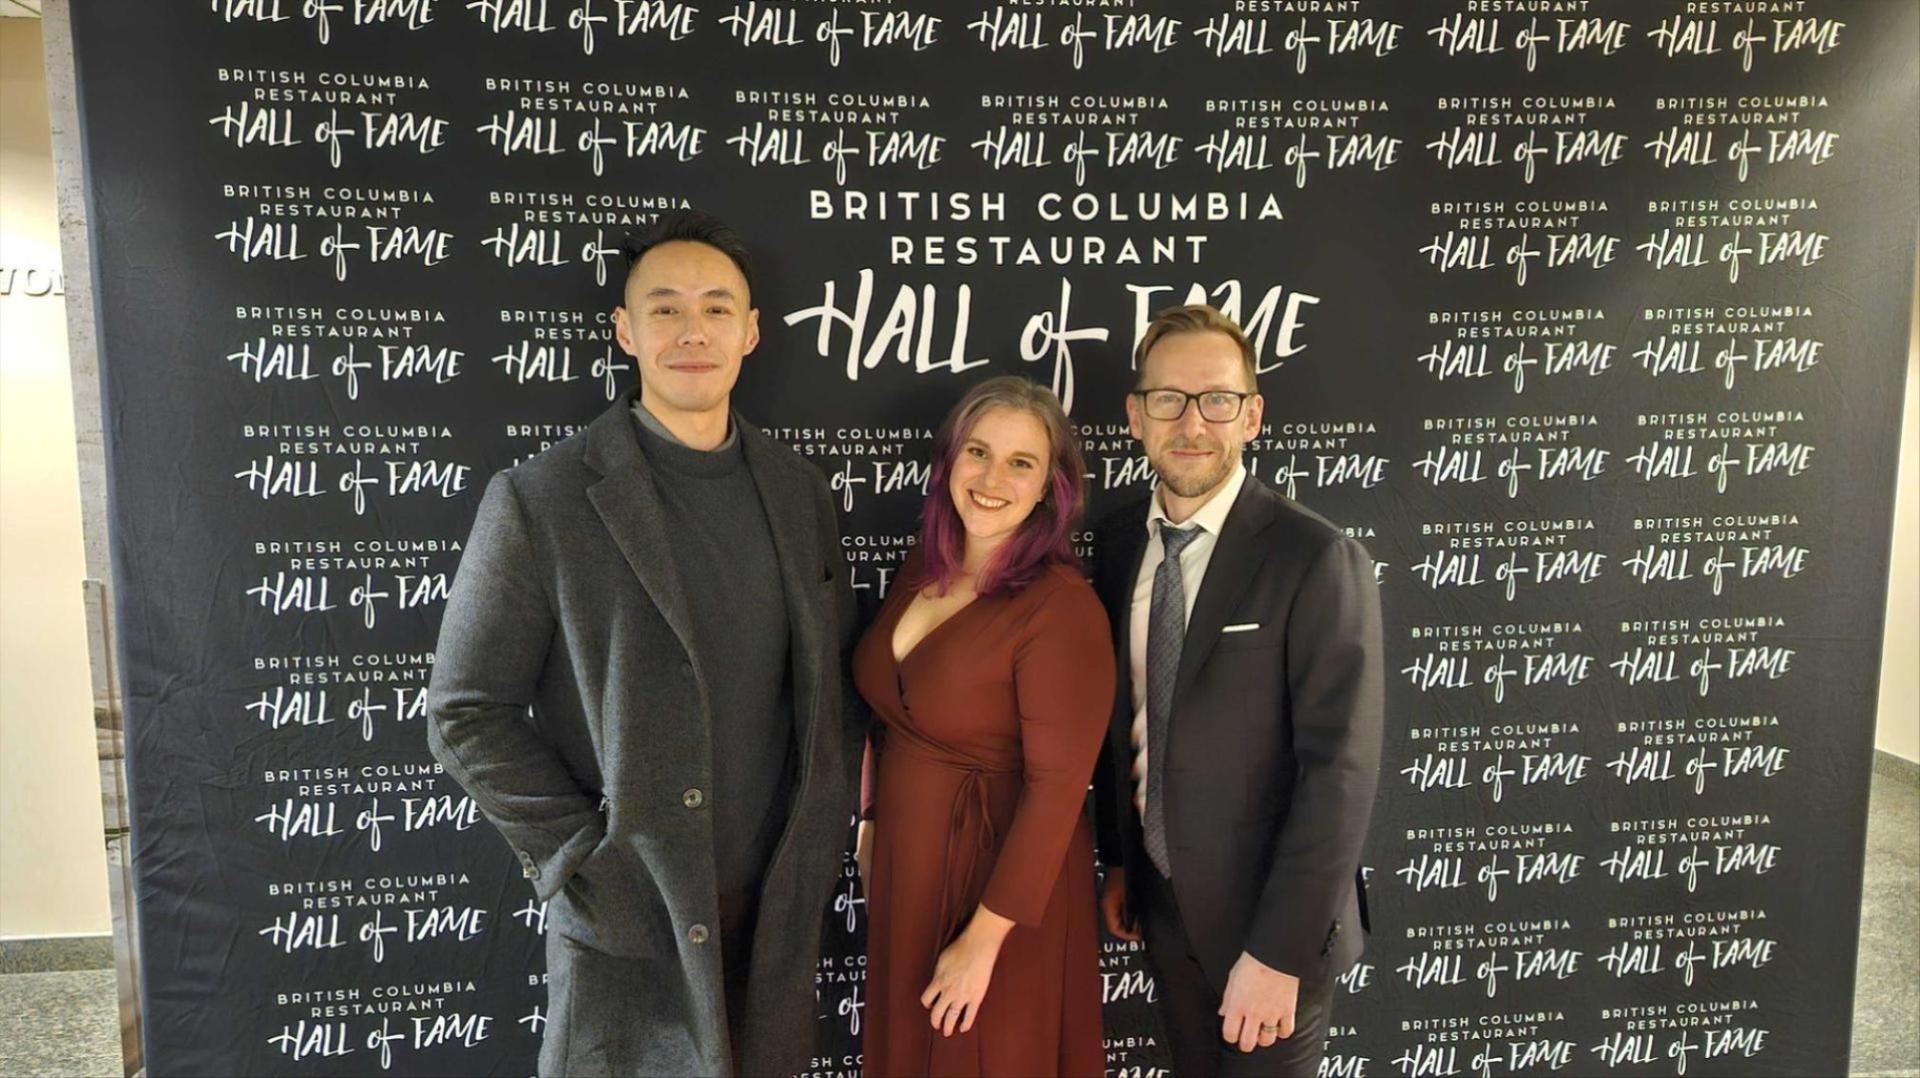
[1587, 317]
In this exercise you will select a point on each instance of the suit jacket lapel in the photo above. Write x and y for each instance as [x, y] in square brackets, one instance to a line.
[1237, 555]
[1119, 566]
[1122, 565]
[630, 507]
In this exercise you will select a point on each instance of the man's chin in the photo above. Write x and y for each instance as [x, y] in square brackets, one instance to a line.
[1192, 485]
[685, 397]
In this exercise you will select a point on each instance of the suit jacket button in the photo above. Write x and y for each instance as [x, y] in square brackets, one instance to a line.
[697, 934]
[686, 669]
[693, 798]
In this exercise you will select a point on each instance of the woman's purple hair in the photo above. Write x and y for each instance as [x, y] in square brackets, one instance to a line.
[1044, 538]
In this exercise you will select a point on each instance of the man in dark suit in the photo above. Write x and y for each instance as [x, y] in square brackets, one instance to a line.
[1240, 769]
[641, 680]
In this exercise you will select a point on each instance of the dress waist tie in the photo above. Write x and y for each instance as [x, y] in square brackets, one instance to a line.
[970, 841]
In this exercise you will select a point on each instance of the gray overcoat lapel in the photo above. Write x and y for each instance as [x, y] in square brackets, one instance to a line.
[629, 504]
[787, 503]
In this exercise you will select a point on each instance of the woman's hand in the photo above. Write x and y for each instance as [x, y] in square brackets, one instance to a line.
[961, 976]
[863, 855]
[1113, 906]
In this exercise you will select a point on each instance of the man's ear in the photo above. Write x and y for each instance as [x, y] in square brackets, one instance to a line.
[1136, 425]
[753, 331]
[1256, 411]
[622, 332]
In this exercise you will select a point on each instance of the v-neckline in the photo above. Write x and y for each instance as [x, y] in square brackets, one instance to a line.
[900, 660]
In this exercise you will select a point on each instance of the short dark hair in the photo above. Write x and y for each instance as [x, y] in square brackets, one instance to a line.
[689, 226]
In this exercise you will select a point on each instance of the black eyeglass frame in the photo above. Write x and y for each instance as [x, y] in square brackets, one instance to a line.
[1192, 401]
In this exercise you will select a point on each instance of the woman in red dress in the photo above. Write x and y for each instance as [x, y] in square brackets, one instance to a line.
[990, 670]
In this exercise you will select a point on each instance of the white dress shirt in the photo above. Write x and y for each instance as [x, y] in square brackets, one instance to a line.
[1209, 518]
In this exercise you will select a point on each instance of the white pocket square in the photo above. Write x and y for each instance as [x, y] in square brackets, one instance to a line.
[1246, 627]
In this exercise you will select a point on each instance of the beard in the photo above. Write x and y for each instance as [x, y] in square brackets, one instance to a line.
[1192, 485]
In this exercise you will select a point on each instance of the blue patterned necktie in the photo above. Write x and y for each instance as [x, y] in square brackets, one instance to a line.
[1166, 633]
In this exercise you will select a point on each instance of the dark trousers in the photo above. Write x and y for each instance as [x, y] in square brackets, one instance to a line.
[1189, 1007]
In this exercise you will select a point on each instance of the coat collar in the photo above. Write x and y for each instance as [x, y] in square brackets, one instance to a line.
[629, 505]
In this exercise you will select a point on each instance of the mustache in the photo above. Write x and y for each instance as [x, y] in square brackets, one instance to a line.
[1202, 442]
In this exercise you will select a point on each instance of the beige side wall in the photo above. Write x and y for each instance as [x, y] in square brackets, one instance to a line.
[1899, 729]
[53, 878]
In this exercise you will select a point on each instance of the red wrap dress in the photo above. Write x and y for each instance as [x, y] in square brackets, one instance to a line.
[985, 739]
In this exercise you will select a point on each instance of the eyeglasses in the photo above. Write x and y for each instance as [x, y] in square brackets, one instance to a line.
[1216, 405]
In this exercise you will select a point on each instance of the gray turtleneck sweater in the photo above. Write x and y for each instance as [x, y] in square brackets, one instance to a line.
[723, 551]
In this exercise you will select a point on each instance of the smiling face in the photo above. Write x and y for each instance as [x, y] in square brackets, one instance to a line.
[687, 322]
[1194, 457]
[999, 474]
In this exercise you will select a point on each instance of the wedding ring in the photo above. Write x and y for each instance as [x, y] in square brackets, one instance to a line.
[1273, 1029]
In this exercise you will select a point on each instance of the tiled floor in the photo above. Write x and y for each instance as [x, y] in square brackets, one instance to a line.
[1886, 1014]
[63, 1023]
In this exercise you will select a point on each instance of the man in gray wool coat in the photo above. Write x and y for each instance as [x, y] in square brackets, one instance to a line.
[641, 679]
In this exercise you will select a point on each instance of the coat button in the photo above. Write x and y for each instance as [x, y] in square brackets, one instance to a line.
[686, 669]
[697, 934]
[693, 798]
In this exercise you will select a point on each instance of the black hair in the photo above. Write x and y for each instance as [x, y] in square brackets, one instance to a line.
[689, 226]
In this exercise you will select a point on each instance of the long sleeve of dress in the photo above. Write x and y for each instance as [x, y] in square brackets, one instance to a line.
[1064, 685]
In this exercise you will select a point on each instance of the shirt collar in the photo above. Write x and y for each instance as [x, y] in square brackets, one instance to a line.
[1212, 516]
